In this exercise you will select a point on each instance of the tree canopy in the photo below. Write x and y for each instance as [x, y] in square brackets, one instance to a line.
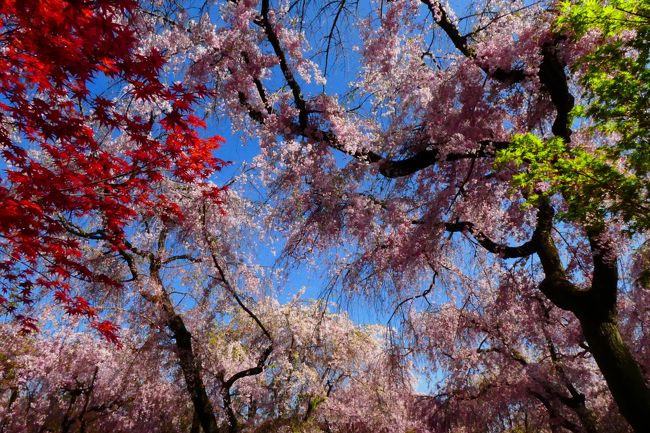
[473, 176]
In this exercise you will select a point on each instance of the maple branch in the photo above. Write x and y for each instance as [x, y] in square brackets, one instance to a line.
[70, 227]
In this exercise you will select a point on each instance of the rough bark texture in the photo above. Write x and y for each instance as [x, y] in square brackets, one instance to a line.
[191, 372]
[190, 366]
[621, 371]
[196, 424]
[595, 308]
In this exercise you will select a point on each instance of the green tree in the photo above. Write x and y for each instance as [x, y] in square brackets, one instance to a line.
[610, 175]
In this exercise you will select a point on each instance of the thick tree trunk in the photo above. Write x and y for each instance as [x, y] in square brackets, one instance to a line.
[193, 380]
[190, 366]
[596, 309]
[621, 371]
[196, 424]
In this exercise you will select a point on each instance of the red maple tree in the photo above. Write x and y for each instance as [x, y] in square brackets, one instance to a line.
[72, 154]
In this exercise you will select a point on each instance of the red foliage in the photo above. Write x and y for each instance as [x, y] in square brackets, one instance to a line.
[57, 138]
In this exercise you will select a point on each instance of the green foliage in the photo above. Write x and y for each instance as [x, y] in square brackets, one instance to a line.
[592, 186]
[616, 73]
[611, 17]
[612, 176]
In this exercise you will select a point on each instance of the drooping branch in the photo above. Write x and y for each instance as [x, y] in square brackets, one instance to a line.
[414, 297]
[255, 114]
[330, 36]
[396, 168]
[556, 419]
[273, 39]
[204, 414]
[556, 285]
[442, 19]
[545, 391]
[504, 251]
[390, 168]
[541, 233]
[230, 288]
[227, 384]
[577, 400]
[189, 363]
[551, 74]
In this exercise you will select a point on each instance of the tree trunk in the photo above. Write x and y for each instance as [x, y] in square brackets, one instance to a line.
[203, 409]
[621, 371]
[196, 424]
[595, 308]
[193, 380]
[586, 417]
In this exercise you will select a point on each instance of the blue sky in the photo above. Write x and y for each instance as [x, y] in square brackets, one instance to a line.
[341, 72]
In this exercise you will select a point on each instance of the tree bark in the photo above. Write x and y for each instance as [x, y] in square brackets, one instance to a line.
[595, 308]
[192, 374]
[196, 424]
[621, 371]
[190, 365]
